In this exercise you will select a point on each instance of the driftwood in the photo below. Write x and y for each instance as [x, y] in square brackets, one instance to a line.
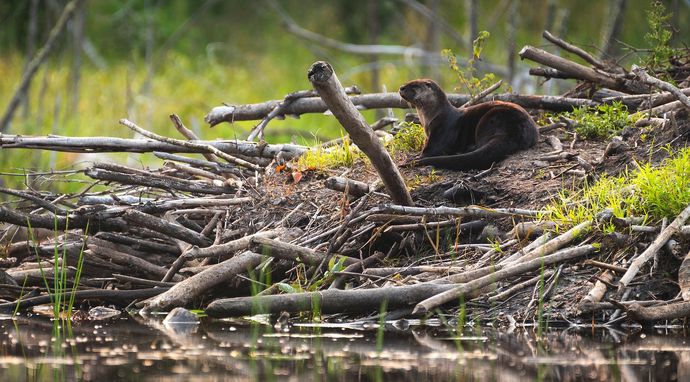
[326, 83]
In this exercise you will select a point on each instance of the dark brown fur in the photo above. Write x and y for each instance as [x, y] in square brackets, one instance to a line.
[470, 138]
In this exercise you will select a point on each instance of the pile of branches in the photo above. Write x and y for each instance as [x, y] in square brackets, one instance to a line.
[198, 232]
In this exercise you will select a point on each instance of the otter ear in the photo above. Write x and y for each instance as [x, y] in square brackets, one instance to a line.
[429, 83]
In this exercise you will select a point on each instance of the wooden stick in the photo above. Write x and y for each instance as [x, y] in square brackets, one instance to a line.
[189, 134]
[256, 111]
[663, 85]
[207, 148]
[476, 211]
[514, 270]
[653, 248]
[326, 83]
[327, 301]
[184, 292]
[580, 71]
[574, 49]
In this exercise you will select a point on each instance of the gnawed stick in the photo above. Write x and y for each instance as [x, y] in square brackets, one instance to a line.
[575, 50]
[476, 211]
[189, 134]
[117, 145]
[258, 130]
[177, 231]
[653, 248]
[292, 252]
[641, 313]
[200, 146]
[328, 86]
[543, 249]
[517, 287]
[663, 85]
[514, 270]
[326, 301]
[184, 292]
[123, 296]
[596, 294]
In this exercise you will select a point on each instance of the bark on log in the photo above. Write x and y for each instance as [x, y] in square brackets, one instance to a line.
[514, 270]
[566, 66]
[184, 292]
[326, 83]
[353, 187]
[653, 248]
[326, 301]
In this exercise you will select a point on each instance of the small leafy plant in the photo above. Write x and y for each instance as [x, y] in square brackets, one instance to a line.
[468, 79]
[602, 121]
[658, 38]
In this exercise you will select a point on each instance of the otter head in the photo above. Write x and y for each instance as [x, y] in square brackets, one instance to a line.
[426, 96]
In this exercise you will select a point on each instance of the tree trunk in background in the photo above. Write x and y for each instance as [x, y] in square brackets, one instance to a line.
[513, 21]
[150, 39]
[30, 50]
[373, 31]
[612, 28]
[472, 12]
[77, 24]
[550, 15]
[432, 44]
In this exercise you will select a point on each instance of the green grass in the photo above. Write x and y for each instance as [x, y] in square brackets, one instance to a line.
[61, 308]
[603, 121]
[654, 192]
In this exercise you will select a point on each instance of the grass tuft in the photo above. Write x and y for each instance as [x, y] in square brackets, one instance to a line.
[654, 192]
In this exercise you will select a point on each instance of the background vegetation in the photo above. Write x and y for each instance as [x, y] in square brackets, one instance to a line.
[145, 59]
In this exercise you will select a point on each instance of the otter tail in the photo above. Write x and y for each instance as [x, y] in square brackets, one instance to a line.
[496, 149]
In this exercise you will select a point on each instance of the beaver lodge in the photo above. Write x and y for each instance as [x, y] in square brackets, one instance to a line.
[572, 230]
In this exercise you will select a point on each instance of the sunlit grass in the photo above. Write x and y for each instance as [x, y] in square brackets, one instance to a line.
[653, 192]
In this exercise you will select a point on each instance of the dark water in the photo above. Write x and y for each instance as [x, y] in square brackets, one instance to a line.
[129, 349]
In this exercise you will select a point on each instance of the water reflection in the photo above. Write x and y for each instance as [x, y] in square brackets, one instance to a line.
[38, 349]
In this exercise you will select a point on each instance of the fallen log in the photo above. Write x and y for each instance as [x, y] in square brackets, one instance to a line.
[326, 301]
[256, 111]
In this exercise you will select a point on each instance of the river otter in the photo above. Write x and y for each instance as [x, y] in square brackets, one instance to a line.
[469, 138]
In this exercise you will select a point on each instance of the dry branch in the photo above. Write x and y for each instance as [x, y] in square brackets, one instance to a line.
[177, 142]
[514, 270]
[326, 301]
[326, 83]
[381, 101]
[653, 248]
[110, 144]
[566, 66]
